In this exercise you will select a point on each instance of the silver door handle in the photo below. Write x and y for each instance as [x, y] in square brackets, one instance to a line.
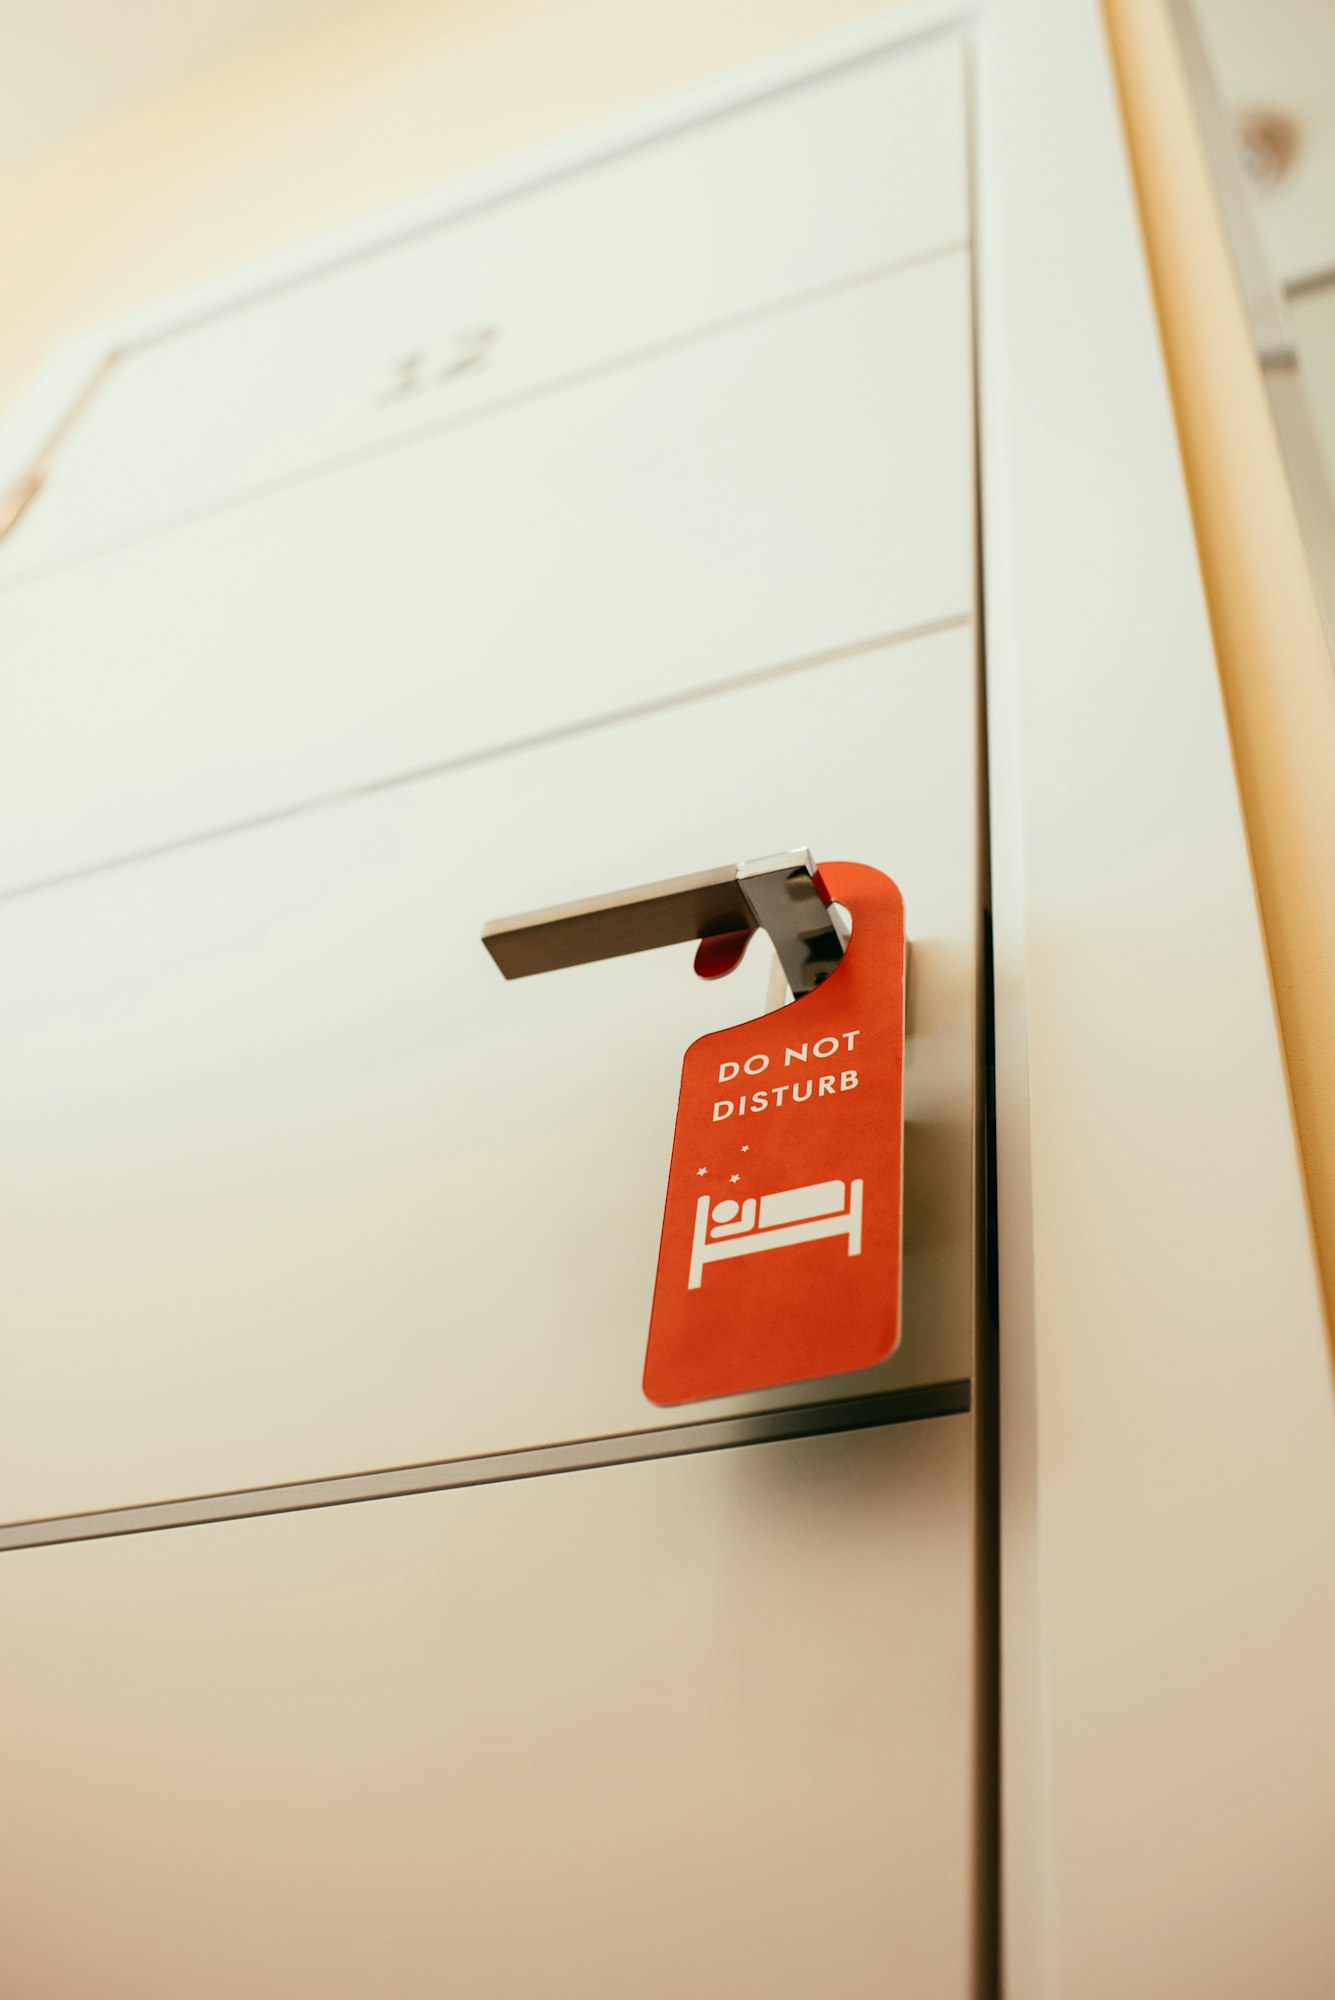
[781, 894]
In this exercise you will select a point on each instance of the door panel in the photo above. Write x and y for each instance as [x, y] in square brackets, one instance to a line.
[790, 488]
[620, 530]
[694, 1727]
[295, 1184]
[845, 175]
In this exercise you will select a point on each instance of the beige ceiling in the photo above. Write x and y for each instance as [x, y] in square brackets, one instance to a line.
[67, 65]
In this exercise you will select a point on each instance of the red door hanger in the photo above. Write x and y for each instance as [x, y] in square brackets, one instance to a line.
[780, 1254]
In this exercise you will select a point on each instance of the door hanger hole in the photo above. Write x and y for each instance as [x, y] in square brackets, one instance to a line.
[717, 956]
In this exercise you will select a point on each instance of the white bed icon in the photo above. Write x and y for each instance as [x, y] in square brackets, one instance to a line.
[792, 1215]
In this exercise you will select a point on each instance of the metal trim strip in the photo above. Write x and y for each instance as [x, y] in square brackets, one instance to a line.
[497, 1468]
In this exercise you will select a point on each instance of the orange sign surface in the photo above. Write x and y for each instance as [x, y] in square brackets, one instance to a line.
[780, 1254]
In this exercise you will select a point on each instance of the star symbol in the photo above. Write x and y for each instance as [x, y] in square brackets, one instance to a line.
[734, 1177]
[746, 1149]
[701, 1170]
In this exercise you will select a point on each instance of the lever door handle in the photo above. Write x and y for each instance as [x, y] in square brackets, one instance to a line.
[781, 894]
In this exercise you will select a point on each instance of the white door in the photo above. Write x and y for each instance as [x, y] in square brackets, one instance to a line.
[618, 530]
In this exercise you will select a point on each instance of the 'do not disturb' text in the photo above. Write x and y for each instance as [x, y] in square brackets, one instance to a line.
[796, 1088]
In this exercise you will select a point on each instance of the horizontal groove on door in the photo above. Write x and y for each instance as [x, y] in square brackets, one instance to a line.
[442, 768]
[945, 1399]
